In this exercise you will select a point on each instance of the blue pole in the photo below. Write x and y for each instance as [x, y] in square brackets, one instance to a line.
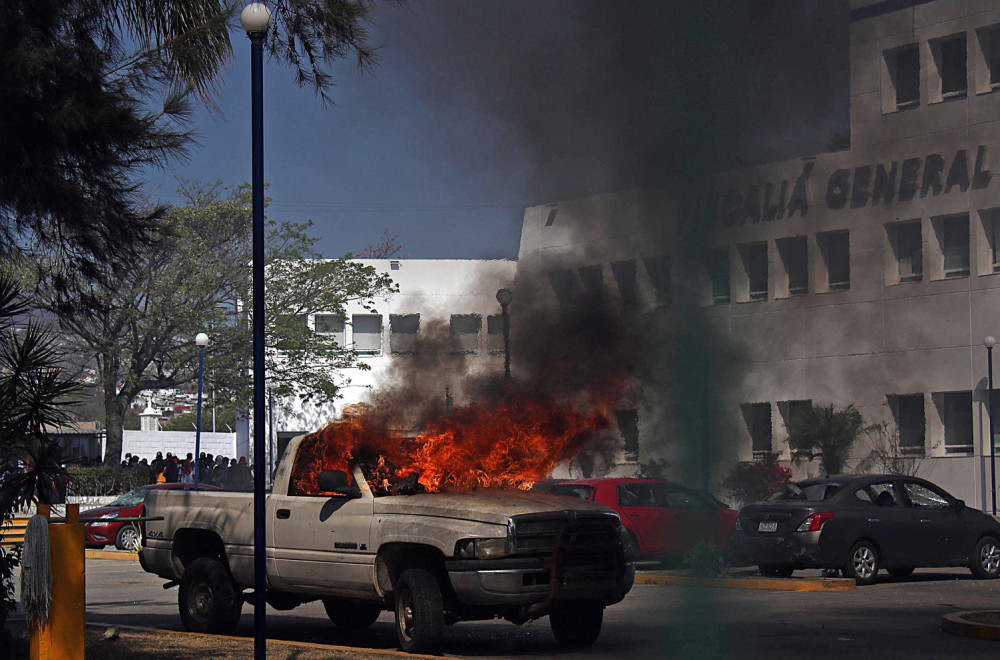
[197, 426]
[259, 455]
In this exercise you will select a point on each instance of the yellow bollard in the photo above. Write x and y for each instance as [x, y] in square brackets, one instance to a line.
[61, 637]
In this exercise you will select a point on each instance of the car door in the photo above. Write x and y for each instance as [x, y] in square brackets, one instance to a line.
[880, 512]
[654, 526]
[941, 532]
[322, 541]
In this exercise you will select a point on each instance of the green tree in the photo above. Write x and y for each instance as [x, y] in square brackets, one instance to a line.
[831, 431]
[139, 327]
[225, 420]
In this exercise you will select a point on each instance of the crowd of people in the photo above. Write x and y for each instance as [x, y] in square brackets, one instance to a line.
[221, 471]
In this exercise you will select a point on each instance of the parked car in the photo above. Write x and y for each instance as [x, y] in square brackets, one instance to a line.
[864, 523]
[665, 520]
[124, 536]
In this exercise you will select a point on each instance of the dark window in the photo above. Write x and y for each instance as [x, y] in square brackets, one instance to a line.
[330, 324]
[994, 56]
[549, 221]
[794, 254]
[718, 272]
[465, 333]
[658, 270]
[758, 420]
[628, 426]
[993, 232]
[403, 333]
[792, 412]
[956, 415]
[955, 246]
[593, 281]
[953, 69]
[907, 245]
[494, 334]
[907, 76]
[564, 287]
[624, 272]
[836, 249]
[755, 265]
[908, 411]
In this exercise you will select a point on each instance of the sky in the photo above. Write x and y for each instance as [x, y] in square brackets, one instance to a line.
[481, 108]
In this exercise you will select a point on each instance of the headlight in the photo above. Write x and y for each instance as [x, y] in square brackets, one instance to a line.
[108, 516]
[481, 548]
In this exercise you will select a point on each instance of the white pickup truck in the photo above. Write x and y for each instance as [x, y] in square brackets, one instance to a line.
[432, 558]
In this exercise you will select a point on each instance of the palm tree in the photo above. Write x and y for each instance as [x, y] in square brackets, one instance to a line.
[833, 432]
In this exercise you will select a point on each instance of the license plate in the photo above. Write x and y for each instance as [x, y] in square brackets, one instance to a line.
[768, 526]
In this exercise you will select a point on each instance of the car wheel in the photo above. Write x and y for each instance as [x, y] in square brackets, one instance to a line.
[128, 538]
[576, 625]
[862, 564]
[775, 570]
[986, 559]
[900, 573]
[209, 600]
[419, 612]
[351, 615]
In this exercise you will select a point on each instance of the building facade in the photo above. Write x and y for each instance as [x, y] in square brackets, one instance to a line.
[866, 277]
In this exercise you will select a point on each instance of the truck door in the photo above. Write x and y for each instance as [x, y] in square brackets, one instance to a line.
[321, 542]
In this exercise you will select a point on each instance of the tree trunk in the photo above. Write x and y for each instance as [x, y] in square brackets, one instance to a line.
[114, 413]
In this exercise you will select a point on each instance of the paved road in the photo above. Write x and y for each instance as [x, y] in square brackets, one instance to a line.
[892, 619]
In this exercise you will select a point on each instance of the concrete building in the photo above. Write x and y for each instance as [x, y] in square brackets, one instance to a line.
[868, 276]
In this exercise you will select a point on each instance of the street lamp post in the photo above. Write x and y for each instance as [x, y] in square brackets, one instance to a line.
[255, 20]
[989, 342]
[504, 296]
[202, 340]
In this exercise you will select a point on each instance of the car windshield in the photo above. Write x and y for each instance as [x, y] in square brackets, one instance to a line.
[131, 498]
[583, 492]
[806, 492]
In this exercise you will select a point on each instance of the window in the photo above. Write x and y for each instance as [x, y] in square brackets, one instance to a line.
[907, 248]
[908, 413]
[403, 333]
[593, 281]
[991, 225]
[956, 417]
[904, 74]
[564, 287]
[950, 58]
[835, 248]
[367, 333]
[494, 334]
[465, 333]
[791, 412]
[993, 56]
[393, 265]
[923, 497]
[754, 257]
[628, 426]
[624, 273]
[718, 273]
[757, 417]
[331, 324]
[658, 270]
[794, 254]
[953, 237]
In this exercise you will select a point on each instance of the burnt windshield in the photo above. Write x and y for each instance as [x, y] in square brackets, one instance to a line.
[806, 492]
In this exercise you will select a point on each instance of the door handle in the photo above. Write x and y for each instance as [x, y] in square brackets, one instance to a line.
[283, 513]
[874, 520]
[924, 520]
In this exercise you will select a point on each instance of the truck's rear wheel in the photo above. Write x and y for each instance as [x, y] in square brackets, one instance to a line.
[419, 612]
[209, 600]
[351, 615]
[576, 625]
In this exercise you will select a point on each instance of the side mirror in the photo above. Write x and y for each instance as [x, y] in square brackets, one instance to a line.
[959, 505]
[335, 481]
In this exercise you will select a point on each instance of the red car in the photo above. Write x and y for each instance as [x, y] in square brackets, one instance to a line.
[666, 520]
[125, 536]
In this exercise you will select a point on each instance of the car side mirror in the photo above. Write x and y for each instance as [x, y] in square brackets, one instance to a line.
[959, 505]
[335, 481]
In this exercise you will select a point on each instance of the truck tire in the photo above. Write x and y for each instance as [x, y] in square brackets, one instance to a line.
[419, 612]
[576, 625]
[209, 600]
[350, 614]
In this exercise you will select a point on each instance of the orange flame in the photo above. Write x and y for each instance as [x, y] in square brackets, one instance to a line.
[510, 445]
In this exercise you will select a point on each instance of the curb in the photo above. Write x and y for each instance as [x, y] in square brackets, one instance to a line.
[983, 624]
[772, 584]
[303, 645]
[116, 555]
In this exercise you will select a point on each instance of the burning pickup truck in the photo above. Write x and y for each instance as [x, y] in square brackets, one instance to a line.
[348, 528]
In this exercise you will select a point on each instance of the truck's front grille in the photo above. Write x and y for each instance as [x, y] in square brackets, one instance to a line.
[582, 538]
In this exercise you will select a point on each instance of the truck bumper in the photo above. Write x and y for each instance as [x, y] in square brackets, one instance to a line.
[512, 582]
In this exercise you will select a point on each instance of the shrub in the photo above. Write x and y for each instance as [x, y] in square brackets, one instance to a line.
[106, 480]
[752, 481]
[706, 560]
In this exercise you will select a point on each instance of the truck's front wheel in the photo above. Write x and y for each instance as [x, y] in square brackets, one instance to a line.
[576, 625]
[419, 612]
[208, 599]
[351, 615]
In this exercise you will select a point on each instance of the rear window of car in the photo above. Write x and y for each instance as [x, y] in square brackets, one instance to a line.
[583, 492]
[811, 492]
